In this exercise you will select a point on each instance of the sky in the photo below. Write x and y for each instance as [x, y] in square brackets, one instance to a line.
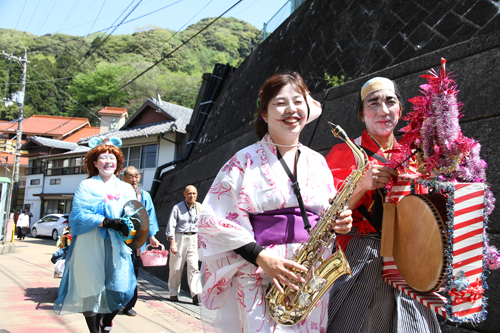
[83, 17]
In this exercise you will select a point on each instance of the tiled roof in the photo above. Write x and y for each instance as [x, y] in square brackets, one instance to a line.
[10, 159]
[113, 111]
[46, 125]
[137, 131]
[181, 114]
[83, 133]
[54, 143]
[78, 149]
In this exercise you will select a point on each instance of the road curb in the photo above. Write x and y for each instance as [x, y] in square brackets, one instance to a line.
[7, 248]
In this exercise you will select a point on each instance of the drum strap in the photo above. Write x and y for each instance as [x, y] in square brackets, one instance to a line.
[378, 211]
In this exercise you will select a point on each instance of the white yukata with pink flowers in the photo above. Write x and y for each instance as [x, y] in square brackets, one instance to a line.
[254, 181]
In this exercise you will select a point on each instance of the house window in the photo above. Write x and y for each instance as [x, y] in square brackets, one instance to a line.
[149, 156]
[55, 181]
[57, 206]
[68, 166]
[34, 167]
[142, 157]
[75, 165]
[35, 182]
[55, 167]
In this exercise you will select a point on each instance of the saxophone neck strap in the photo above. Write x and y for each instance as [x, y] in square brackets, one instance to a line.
[295, 187]
[374, 155]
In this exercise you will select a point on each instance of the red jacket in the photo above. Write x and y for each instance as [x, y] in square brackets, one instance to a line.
[341, 162]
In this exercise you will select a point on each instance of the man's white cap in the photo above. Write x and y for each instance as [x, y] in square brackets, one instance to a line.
[376, 84]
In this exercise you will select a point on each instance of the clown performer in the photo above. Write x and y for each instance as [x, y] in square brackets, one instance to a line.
[251, 221]
[98, 277]
[364, 302]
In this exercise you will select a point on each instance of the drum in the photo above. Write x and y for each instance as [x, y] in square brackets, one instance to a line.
[420, 240]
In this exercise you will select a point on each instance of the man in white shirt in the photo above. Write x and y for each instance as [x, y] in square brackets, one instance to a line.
[182, 232]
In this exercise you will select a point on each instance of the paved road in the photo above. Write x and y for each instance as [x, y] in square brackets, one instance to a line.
[28, 291]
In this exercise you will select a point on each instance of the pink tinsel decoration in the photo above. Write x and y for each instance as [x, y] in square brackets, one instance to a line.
[444, 153]
[491, 257]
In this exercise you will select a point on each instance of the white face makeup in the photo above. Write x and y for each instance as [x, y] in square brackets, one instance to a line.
[106, 164]
[286, 116]
[381, 112]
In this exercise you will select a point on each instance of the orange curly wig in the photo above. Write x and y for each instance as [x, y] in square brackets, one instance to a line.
[91, 157]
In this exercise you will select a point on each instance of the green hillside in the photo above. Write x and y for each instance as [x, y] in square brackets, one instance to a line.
[88, 71]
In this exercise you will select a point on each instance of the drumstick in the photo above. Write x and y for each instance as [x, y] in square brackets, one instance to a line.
[397, 166]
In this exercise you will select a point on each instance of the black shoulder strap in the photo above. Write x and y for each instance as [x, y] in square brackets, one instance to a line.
[377, 212]
[374, 155]
[296, 189]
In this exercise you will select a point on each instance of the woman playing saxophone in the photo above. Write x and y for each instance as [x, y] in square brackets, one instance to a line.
[251, 222]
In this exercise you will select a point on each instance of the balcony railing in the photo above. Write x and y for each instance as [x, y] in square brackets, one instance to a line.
[72, 170]
[35, 170]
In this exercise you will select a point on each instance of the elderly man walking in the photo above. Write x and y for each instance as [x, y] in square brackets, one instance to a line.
[132, 176]
[182, 232]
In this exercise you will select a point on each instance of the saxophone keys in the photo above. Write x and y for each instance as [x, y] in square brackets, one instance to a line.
[304, 300]
[296, 313]
[279, 311]
[316, 283]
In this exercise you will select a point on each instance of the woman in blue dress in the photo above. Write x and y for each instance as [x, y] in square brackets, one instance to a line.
[99, 277]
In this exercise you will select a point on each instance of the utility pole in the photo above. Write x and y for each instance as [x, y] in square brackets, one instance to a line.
[19, 99]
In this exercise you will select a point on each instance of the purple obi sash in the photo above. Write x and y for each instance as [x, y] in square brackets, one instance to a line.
[281, 226]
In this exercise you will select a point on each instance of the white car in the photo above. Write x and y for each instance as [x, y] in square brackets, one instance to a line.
[51, 225]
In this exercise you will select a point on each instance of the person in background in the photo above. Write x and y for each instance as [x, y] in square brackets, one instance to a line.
[182, 232]
[11, 217]
[23, 223]
[16, 217]
[30, 215]
[132, 176]
[364, 302]
[98, 277]
[65, 238]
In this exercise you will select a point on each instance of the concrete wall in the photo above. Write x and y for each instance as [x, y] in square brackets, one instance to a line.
[354, 38]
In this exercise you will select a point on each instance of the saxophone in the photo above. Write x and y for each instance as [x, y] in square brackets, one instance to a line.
[291, 307]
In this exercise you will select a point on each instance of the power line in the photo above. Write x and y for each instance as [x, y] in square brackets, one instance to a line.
[21, 14]
[247, 7]
[75, 116]
[69, 14]
[79, 37]
[107, 36]
[96, 18]
[123, 12]
[71, 97]
[134, 20]
[83, 41]
[158, 48]
[32, 16]
[169, 54]
[46, 17]
[82, 16]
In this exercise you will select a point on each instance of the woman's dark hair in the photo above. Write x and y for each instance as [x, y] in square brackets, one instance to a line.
[269, 90]
[396, 91]
[91, 157]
